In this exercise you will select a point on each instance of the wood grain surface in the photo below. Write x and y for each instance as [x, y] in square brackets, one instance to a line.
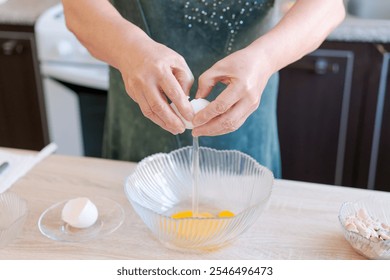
[300, 222]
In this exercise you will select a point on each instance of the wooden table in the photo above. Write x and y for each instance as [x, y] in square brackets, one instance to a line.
[301, 221]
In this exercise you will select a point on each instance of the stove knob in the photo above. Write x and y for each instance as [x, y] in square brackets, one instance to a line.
[64, 48]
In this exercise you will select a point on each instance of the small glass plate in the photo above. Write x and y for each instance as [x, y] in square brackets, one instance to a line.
[111, 217]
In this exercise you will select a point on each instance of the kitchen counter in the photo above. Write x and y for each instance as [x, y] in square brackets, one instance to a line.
[23, 12]
[300, 222]
[354, 29]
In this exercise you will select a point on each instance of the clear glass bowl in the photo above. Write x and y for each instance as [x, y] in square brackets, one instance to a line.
[378, 209]
[161, 185]
[13, 213]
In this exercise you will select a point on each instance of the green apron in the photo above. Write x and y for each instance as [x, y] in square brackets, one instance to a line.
[203, 32]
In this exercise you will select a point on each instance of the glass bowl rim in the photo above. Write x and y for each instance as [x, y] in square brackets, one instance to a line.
[176, 151]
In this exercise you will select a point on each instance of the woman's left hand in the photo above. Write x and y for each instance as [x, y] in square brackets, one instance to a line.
[246, 74]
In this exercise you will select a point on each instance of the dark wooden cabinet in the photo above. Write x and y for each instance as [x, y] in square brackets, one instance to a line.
[328, 116]
[22, 114]
[313, 107]
[379, 163]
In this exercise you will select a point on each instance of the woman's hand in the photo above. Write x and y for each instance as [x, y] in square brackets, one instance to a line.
[247, 71]
[246, 75]
[153, 73]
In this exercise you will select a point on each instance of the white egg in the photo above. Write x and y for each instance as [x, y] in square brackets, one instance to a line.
[80, 212]
[197, 104]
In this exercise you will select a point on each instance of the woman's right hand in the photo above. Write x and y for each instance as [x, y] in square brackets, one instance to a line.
[154, 73]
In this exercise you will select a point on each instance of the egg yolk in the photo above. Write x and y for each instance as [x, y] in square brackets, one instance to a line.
[195, 229]
[225, 214]
[182, 215]
[189, 214]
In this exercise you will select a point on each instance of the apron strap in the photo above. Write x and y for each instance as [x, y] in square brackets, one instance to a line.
[137, 15]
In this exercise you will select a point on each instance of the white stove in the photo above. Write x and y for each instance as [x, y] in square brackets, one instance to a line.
[75, 86]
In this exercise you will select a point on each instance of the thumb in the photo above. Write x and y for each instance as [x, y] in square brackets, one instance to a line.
[206, 83]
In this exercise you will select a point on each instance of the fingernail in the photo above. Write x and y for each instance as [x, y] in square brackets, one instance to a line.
[180, 129]
[174, 130]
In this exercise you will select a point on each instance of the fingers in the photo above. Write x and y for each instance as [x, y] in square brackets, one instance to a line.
[227, 122]
[173, 90]
[155, 107]
[219, 106]
[151, 95]
[184, 76]
[206, 83]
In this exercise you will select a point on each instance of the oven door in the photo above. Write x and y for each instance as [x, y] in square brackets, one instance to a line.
[75, 101]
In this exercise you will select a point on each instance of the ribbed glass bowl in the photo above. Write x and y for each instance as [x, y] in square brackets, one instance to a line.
[13, 213]
[161, 185]
[378, 209]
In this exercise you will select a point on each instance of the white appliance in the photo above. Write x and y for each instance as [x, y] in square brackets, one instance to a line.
[74, 82]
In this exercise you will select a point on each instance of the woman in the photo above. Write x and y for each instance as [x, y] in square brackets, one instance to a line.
[158, 49]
